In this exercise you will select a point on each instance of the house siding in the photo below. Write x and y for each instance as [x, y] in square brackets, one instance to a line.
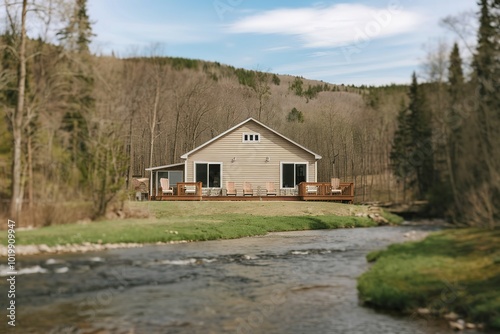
[250, 164]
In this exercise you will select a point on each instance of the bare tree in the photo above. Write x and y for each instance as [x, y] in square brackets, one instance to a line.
[262, 90]
[17, 117]
[464, 25]
[198, 105]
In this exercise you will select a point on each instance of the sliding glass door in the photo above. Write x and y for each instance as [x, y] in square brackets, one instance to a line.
[209, 174]
[292, 174]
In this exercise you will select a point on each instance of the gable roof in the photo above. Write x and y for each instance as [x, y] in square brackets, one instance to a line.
[185, 156]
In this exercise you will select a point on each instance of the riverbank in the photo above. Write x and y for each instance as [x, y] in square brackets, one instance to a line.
[171, 222]
[453, 274]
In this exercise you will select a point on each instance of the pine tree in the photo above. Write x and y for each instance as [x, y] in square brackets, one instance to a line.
[454, 136]
[97, 150]
[295, 115]
[485, 166]
[456, 91]
[399, 155]
[75, 38]
[486, 73]
[77, 34]
[412, 154]
[421, 146]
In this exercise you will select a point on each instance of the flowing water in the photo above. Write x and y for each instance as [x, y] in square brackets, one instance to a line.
[293, 282]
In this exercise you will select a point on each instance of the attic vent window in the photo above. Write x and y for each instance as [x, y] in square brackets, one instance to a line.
[251, 137]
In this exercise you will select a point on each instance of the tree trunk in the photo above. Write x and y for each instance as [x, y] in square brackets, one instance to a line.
[102, 192]
[176, 129]
[30, 170]
[130, 152]
[17, 123]
[153, 124]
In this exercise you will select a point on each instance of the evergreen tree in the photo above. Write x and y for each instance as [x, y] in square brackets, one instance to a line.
[486, 75]
[412, 154]
[80, 98]
[276, 80]
[485, 167]
[421, 148]
[77, 34]
[454, 130]
[296, 86]
[96, 148]
[399, 155]
[295, 115]
[456, 90]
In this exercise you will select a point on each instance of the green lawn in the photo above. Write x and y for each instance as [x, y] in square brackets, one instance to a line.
[170, 221]
[453, 270]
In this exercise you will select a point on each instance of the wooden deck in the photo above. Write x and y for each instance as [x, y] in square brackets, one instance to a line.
[307, 191]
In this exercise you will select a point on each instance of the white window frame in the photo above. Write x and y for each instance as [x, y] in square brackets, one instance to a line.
[294, 171]
[209, 163]
[249, 135]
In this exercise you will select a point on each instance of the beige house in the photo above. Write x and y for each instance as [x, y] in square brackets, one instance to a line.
[248, 152]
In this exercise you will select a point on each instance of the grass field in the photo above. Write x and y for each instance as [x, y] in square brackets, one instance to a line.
[173, 221]
[453, 270]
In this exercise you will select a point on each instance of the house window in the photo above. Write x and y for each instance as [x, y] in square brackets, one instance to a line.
[251, 137]
[174, 176]
[292, 174]
[209, 174]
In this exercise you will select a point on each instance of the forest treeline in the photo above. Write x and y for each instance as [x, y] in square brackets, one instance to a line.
[78, 127]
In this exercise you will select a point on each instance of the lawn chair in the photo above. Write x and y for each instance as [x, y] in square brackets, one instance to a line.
[270, 189]
[311, 190]
[165, 187]
[190, 190]
[230, 189]
[247, 189]
[335, 184]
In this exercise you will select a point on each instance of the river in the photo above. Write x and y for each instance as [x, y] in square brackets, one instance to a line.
[293, 282]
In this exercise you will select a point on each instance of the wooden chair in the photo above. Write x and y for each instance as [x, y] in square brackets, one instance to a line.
[165, 187]
[190, 190]
[230, 189]
[270, 189]
[335, 186]
[247, 189]
[310, 190]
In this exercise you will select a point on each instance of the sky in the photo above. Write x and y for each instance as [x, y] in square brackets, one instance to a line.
[375, 42]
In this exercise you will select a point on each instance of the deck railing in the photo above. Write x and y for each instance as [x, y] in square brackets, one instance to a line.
[308, 191]
[324, 190]
[183, 186]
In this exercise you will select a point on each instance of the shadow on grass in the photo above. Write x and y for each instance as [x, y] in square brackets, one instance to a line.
[317, 223]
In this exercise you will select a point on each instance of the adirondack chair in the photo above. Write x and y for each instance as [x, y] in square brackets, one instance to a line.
[190, 190]
[247, 189]
[335, 186]
[230, 189]
[165, 187]
[270, 189]
[310, 190]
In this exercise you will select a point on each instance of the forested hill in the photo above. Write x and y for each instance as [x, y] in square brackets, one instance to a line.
[162, 107]
[198, 100]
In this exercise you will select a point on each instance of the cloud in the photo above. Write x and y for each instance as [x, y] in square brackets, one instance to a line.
[332, 26]
[278, 48]
[395, 67]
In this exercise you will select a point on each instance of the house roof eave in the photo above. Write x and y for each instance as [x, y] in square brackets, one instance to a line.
[164, 167]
